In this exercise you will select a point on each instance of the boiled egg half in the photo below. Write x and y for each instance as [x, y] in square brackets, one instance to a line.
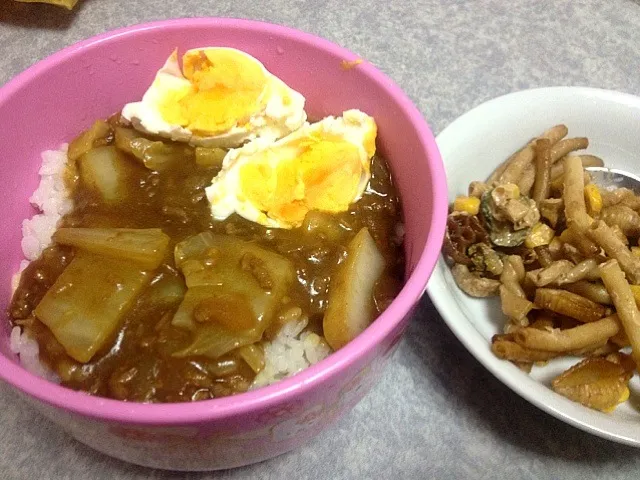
[222, 97]
[322, 166]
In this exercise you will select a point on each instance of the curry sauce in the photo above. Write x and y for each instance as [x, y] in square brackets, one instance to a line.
[139, 361]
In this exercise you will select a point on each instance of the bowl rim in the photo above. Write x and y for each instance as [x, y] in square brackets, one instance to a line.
[288, 388]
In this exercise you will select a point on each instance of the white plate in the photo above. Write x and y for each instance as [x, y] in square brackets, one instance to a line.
[472, 146]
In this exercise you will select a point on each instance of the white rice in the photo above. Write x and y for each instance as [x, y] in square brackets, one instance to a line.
[290, 352]
[28, 350]
[51, 198]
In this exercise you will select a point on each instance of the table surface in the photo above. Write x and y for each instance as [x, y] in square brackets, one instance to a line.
[436, 413]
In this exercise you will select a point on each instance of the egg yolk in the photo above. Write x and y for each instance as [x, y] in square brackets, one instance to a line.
[312, 174]
[226, 89]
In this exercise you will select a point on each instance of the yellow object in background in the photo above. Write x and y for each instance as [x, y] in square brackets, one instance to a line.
[68, 4]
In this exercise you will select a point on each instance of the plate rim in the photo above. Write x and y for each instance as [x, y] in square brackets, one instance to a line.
[463, 328]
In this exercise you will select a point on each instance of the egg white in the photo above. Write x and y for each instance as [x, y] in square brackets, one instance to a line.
[284, 111]
[225, 195]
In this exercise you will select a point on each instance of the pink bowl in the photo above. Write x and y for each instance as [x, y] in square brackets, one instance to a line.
[55, 99]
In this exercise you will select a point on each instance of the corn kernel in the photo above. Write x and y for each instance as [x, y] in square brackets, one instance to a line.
[470, 205]
[635, 251]
[593, 198]
[541, 234]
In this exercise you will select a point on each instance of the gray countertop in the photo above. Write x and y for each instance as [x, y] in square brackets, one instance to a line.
[437, 413]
